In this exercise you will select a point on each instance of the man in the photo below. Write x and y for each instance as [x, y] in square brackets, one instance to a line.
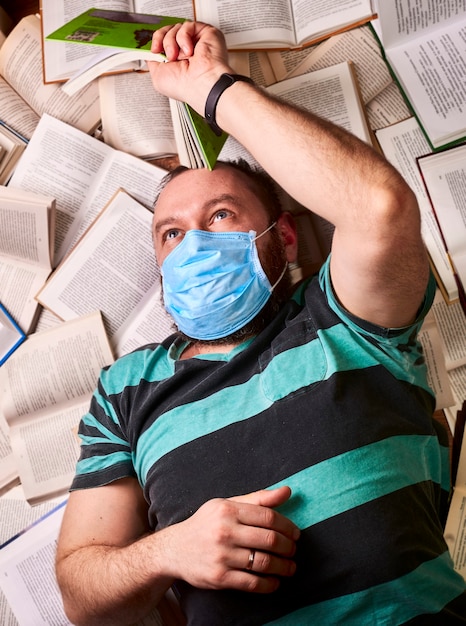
[276, 461]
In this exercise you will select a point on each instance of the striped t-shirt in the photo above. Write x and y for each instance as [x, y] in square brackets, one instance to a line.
[336, 408]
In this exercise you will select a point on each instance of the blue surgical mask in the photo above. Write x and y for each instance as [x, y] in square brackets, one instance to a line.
[214, 284]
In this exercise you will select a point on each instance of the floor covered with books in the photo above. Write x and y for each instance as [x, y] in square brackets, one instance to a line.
[78, 176]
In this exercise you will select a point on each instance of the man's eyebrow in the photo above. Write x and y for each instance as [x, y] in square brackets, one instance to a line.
[222, 198]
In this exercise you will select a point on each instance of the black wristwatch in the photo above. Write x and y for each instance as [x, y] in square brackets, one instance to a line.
[225, 81]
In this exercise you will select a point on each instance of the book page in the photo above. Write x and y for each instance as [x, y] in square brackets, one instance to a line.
[27, 574]
[135, 117]
[19, 283]
[451, 321]
[111, 269]
[176, 8]
[149, 323]
[455, 529]
[361, 48]
[400, 21]
[387, 108]
[82, 173]
[263, 23]
[437, 375]
[54, 367]
[17, 514]
[21, 67]
[46, 448]
[402, 144]
[330, 93]
[260, 69]
[319, 18]
[432, 72]
[8, 466]
[47, 388]
[16, 112]
[444, 176]
[25, 232]
[284, 62]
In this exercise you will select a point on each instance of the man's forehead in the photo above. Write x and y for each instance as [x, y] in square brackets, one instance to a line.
[199, 184]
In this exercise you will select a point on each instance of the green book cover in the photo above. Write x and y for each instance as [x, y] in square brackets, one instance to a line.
[209, 143]
[114, 29]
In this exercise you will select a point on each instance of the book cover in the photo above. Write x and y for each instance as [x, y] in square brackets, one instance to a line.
[11, 335]
[114, 29]
[208, 143]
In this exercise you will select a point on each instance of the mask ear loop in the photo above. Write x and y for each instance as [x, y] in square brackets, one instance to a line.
[265, 231]
[286, 264]
[280, 277]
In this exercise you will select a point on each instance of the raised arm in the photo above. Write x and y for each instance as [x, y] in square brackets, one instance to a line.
[379, 265]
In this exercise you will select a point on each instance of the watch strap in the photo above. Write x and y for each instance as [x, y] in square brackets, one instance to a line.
[225, 81]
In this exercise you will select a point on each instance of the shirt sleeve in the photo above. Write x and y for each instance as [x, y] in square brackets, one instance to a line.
[105, 451]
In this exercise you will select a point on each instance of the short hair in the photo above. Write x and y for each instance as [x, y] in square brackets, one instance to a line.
[263, 185]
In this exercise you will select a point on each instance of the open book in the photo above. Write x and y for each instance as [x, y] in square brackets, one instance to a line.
[12, 145]
[424, 45]
[451, 323]
[402, 144]
[26, 250]
[24, 97]
[11, 335]
[331, 92]
[86, 174]
[62, 60]
[46, 388]
[267, 24]
[444, 175]
[455, 529]
[113, 269]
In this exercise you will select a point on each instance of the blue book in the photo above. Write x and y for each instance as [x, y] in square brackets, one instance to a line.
[11, 335]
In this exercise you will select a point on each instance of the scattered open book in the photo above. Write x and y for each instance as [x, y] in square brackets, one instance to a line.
[11, 335]
[46, 388]
[267, 24]
[424, 45]
[456, 521]
[23, 95]
[64, 59]
[451, 323]
[12, 145]
[86, 174]
[335, 84]
[444, 176]
[26, 250]
[112, 269]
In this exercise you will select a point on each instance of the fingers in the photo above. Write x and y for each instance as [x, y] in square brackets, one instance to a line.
[256, 510]
[165, 40]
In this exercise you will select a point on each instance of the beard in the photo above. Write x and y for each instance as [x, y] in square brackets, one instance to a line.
[273, 262]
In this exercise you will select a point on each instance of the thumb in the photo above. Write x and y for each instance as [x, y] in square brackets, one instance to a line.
[266, 497]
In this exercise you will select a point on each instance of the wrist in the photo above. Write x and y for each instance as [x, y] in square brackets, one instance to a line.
[223, 82]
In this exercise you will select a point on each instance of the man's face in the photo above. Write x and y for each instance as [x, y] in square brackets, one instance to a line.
[217, 201]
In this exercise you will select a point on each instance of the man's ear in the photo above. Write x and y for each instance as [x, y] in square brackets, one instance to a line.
[289, 234]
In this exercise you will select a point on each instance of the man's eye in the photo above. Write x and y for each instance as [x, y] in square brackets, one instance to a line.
[172, 233]
[220, 215]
